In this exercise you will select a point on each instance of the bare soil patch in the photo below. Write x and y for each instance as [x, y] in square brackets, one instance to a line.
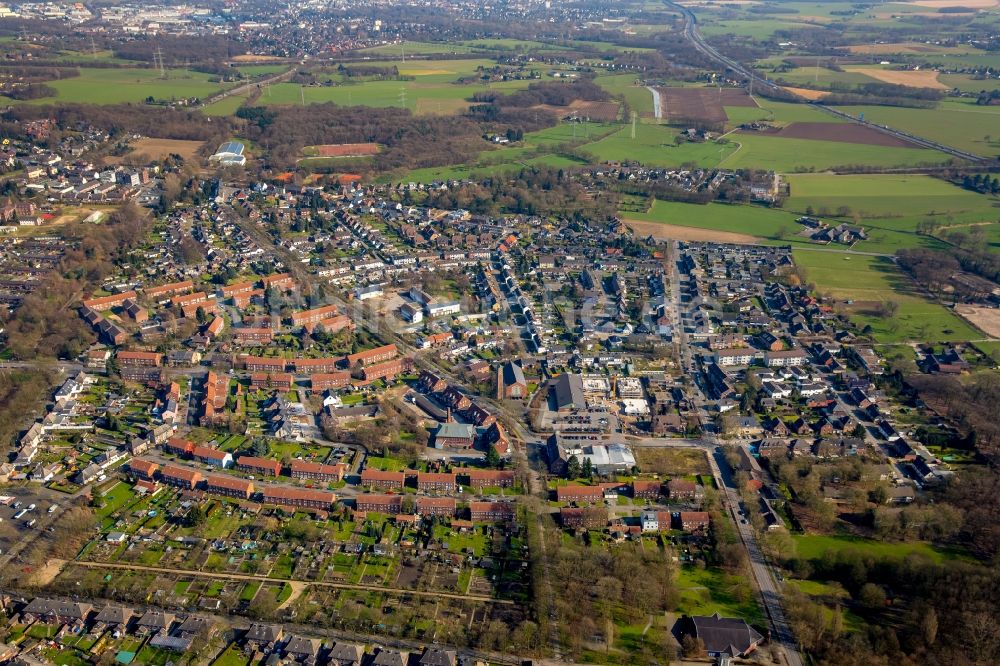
[737, 97]
[249, 57]
[985, 319]
[588, 110]
[157, 149]
[346, 149]
[914, 79]
[671, 461]
[842, 132]
[806, 93]
[696, 106]
[893, 47]
[660, 230]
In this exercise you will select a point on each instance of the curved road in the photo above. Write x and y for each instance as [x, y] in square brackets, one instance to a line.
[693, 35]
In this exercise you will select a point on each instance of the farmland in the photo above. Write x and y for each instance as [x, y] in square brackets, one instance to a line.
[114, 86]
[961, 124]
[863, 282]
[761, 151]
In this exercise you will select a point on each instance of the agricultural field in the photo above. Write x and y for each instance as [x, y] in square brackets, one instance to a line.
[958, 123]
[226, 106]
[862, 283]
[759, 150]
[654, 145]
[433, 89]
[115, 86]
[638, 98]
[158, 149]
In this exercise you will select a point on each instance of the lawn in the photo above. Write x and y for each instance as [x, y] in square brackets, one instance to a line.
[867, 281]
[115, 86]
[811, 547]
[115, 498]
[706, 591]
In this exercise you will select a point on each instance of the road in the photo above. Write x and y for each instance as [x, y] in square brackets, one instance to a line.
[657, 102]
[247, 87]
[693, 35]
[763, 576]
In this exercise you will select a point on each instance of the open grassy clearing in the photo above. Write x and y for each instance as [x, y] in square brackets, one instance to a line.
[654, 145]
[637, 97]
[421, 95]
[416, 48]
[862, 283]
[706, 591]
[812, 546]
[227, 106]
[761, 151]
[114, 86]
[961, 124]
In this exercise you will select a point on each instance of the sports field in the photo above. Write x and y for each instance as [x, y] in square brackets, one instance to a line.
[115, 86]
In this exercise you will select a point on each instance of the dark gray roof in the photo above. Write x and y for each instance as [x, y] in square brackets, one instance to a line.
[264, 633]
[390, 658]
[433, 656]
[302, 646]
[346, 652]
[513, 374]
[569, 391]
[115, 615]
[156, 619]
[725, 635]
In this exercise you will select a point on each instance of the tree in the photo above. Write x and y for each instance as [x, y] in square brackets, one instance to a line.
[492, 457]
[260, 447]
[573, 467]
[929, 626]
[196, 516]
[872, 596]
[588, 468]
[859, 431]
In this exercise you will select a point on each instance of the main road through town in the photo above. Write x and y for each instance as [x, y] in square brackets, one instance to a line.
[762, 573]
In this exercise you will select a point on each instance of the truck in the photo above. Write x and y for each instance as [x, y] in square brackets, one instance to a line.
[20, 514]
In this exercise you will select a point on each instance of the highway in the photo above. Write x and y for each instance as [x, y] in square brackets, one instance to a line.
[693, 35]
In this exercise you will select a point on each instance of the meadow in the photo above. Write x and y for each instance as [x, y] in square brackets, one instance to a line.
[433, 89]
[863, 282]
[958, 123]
[115, 86]
[226, 106]
[813, 547]
[762, 151]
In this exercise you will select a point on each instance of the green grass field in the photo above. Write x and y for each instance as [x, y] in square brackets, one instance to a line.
[891, 206]
[814, 546]
[753, 220]
[706, 591]
[637, 97]
[961, 124]
[653, 145]
[415, 48]
[760, 151]
[114, 86]
[862, 282]
[225, 107]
